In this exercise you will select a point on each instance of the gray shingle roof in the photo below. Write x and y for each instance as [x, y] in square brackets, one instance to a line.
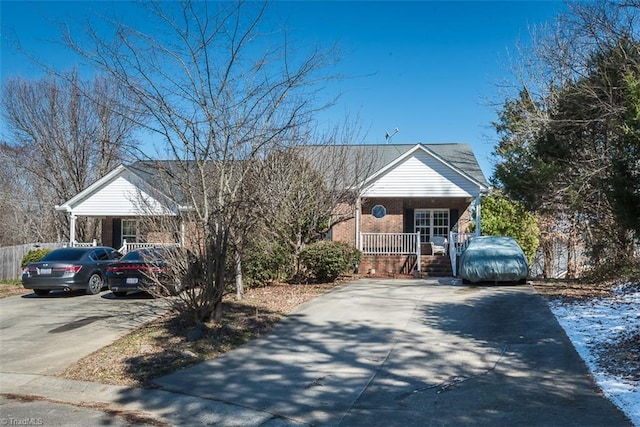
[351, 164]
[460, 156]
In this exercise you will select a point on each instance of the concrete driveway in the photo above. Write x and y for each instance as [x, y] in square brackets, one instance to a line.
[406, 352]
[44, 335]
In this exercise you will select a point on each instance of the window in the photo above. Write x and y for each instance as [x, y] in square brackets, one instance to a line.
[379, 211]
[440, 223]
[430, 223]
[423, 224]
[131, 231]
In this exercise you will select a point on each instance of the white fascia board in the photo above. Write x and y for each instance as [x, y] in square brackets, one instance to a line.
[68, 205]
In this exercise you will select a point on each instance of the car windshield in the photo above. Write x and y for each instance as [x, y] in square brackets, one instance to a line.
[70, 254]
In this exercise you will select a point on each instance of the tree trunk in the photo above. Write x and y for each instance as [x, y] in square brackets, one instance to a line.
[547, 255]
[238, 274]
[571, 250]
[221, 260]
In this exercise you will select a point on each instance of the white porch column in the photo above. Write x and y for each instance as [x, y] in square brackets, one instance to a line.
[478, 215]
[72, 228]
[182, 233]
[357, 225]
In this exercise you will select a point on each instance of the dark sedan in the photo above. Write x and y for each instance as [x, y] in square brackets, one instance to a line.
[70, 269]
[148, 270]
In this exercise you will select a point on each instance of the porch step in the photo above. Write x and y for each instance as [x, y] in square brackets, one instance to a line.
[435, 266]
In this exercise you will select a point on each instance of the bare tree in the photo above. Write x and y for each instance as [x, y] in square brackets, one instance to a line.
[302, 192]
[22, 216]
[64, 134]
[221, 98]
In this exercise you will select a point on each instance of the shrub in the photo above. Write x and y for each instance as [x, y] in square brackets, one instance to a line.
[264, 265]
[504, 217]
[327, 260]
[34, 255]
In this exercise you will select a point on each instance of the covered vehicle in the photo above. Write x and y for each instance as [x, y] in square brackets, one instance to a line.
[493, 259]
[75, 268]
[153, 269]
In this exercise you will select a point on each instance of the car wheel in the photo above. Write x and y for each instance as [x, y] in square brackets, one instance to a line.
[120, 294]
[41, 292]
[95, 284]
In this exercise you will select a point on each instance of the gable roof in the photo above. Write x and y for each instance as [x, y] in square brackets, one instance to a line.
[121, 183]
[458, 157]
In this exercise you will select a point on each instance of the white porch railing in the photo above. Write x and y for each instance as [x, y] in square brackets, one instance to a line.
[458, 243]
[81, 244]
[391, 244]
[127, 247]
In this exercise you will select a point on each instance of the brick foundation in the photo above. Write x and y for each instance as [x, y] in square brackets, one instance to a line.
[393, 265]
[385, 265]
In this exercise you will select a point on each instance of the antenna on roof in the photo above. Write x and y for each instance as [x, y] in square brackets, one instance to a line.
[388, 135]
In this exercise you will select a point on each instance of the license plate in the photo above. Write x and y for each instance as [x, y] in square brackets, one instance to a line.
[132, 280]
[44, 271]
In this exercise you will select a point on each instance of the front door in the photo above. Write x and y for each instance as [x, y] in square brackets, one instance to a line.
[431, 222]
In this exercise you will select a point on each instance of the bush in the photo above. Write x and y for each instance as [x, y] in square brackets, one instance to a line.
[265, 265]
[504, 217]
[327, 260]
[34, 255]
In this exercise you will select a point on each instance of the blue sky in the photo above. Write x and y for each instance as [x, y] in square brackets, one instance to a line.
[428, 68]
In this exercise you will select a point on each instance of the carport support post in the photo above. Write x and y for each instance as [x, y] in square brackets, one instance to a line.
[72, 228]
[478, 215]
[357, 225]
[418, 252]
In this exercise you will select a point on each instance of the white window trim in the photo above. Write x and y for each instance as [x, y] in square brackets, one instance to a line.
[127, 236]
[381, 206]
[431, 226]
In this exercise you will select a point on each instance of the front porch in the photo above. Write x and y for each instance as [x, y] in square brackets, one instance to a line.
[391, 254]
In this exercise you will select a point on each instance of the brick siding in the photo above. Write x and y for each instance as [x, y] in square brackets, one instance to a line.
[393, 221]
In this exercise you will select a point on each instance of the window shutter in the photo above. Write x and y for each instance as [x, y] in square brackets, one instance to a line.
[409, 226]
[117, 233]
[454, 215]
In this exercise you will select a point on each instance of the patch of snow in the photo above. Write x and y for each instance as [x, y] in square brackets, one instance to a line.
[590, 324]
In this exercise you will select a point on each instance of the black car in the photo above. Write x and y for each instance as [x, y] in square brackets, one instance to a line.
[143, 270]
[70, 269]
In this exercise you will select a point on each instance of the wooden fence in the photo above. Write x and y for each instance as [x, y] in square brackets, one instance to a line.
[11, 258]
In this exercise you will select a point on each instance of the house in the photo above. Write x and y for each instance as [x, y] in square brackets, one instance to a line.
[412, 198]
[415, 202]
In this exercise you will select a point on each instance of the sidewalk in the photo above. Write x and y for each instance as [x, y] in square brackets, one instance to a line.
[171, 408]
